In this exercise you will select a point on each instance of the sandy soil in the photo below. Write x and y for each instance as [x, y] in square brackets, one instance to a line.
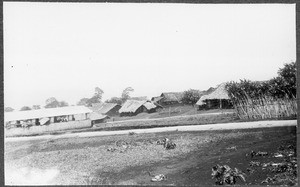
[86, 160]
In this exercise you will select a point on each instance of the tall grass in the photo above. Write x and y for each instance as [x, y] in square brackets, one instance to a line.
[266, 108]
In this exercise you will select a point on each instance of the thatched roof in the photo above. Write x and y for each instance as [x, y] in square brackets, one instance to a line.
[131, 106]
[103, 108]
[156, 99]
[219, 93]
[150, 105]
[97, 116]
[172, 96]
[141, 98]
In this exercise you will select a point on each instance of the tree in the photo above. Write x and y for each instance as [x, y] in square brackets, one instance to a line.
[54, 103]
[83, 102]
[116, 100]
[97, 97]
[190, 96]
[288, 76]
[8, 109]
[63, 103]
[24, 108]
[36, 107]
[126, 94]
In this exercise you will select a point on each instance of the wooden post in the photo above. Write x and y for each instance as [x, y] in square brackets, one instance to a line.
[220, 103]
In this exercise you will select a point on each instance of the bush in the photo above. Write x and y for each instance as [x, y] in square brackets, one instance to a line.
[275, 98]
[190, 96]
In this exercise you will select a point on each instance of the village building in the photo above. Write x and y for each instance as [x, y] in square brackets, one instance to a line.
[109, 109]
[134, 107]
[46, 116]
[168, 98]
[96, 118]
[218, 98]
[140, 98]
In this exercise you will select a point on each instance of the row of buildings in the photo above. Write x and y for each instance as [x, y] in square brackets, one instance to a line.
[99, 112]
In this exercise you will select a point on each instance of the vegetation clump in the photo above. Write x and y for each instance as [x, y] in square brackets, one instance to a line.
[224, 174]
[272, 99]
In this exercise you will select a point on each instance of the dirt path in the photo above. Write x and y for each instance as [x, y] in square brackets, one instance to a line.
[226, 126]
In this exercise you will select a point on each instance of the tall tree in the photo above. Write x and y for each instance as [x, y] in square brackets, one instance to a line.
[288, 76]
[24, 108]
[97, 97]
[8, 109]
[126, 94]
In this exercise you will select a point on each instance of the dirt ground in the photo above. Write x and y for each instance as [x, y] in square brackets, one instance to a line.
[134, 159]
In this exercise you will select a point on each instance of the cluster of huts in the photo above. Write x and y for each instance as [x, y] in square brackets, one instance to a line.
[100, 112]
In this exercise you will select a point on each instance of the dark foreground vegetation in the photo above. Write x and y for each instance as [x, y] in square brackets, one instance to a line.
[266, 157]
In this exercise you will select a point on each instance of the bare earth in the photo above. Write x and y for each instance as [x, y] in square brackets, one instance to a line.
[87, 159]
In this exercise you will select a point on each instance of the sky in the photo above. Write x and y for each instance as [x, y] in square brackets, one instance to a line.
[65, 50]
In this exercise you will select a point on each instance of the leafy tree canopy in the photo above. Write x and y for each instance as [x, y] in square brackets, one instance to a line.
[24, 108]
[8, 109]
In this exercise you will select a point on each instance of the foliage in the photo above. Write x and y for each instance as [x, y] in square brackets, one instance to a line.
[96, 98]
[288, 74]
[274, 98]
[190, 96]
[116, 100]
[83, 102]
[8, 109]
[52, 102]
[126, 94]
[224, 174]
[36, 107]
[24, 108]
[282, 86]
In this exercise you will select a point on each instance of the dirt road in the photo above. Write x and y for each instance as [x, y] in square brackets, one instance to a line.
[228, 126]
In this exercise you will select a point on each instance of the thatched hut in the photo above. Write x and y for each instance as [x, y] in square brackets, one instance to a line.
[98, 118]
[168, 98]
[134, 107]
[219, 98]
[152, 107]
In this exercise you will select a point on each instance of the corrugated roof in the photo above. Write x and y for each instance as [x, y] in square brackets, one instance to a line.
[219, 93]
[149, 105]
[131, 106]
[103, 108]
[48, 112]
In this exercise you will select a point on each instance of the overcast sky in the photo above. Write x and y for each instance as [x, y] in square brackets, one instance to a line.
[65, 50]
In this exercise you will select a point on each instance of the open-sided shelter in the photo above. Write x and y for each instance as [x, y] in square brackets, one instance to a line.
[218, 98]
[47, 115]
